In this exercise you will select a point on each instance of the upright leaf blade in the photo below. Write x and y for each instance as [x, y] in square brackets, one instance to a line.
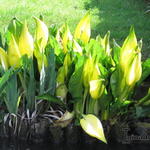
[7, 75]
[11, 99]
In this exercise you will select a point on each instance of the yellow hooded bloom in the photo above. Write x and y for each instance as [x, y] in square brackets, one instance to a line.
[128, 50]
[13, 53]
[41, 34]
[66, 38]
[87, 71]
[96, 88]
[26, 44]
[83, 30]
[134, 71]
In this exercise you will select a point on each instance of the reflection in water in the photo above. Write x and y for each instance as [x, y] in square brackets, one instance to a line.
[8, 145]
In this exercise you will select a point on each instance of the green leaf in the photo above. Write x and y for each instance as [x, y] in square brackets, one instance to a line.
[105, 43]
[55, 45]
[75, 84]
[7, 75]
[93, 48]
[11, 99]
[92, 126]
[15, 28]
[50, 98]
[76, 88]
[142, 111]
[116, 52]
[1, 41]
[145, 70]
[50, 71]
[145, 99]
[114, 83]
[31, 89]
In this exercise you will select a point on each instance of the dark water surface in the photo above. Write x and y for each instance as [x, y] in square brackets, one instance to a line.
[9, 145]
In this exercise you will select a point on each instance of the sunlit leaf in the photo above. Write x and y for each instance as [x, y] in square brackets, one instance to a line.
[92, 126]
[77, 47]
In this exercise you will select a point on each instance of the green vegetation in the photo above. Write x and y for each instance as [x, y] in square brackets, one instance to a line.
[68, 70]
[87, 78]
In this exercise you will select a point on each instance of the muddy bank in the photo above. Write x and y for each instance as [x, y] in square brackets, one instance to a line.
[42, 131]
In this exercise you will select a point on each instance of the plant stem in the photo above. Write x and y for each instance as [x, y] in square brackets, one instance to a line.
[22, 82]
[84, 99]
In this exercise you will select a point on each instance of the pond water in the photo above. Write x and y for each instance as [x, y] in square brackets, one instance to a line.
[8, 145]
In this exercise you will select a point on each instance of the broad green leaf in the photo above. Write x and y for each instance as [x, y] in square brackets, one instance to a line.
[75, 82]
[51, 99]
[12, 96]
[116, 52]
[145, 70]
[50, 78]
[5, 78]
[94, 49]
[92, 126]
[55, 45]
[83, 30]
[15, 28]
[31, 89]
[114, 83]
[75, 85]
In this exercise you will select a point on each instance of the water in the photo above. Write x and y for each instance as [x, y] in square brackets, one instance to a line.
[9, 145]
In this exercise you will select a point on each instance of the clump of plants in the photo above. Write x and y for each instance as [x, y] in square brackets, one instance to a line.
[63, 76]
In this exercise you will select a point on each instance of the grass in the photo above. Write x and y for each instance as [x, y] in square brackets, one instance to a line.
[54, 11]
[114, 15]
[118, 16]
